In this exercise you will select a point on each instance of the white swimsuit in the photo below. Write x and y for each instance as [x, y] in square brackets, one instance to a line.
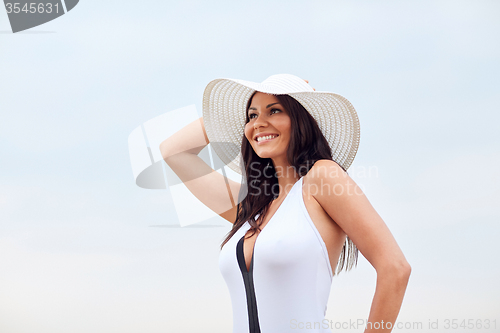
[287, 286]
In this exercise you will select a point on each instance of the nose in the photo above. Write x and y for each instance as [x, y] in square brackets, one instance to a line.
[260, 122]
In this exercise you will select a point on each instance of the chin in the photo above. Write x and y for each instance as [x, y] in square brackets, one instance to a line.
[268, 154]
[264, 155]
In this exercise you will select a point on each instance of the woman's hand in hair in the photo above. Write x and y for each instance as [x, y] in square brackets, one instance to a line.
[180, 151]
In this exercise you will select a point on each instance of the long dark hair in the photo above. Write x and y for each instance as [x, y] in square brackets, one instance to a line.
[307, 145]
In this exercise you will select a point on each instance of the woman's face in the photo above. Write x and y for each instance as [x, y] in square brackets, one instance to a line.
[269, 127]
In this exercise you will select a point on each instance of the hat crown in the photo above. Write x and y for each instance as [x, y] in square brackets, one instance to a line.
[286, 84]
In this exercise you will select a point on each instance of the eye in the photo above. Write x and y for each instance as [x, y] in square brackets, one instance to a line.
[272, 110]
[250, 116]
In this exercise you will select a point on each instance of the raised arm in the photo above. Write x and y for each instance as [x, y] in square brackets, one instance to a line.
[180, 151]
[347, 205]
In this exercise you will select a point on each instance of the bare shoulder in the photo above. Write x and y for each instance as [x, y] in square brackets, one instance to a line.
[347, 205]
[325, 171]
[328, 183]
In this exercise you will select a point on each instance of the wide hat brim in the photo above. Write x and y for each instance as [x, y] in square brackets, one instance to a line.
[224, 116]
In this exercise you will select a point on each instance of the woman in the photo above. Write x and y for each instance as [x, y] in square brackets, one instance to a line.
[293, 146]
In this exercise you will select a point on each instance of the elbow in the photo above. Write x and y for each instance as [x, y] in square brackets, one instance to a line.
[400, 270]
[405, 270]
[403, 275]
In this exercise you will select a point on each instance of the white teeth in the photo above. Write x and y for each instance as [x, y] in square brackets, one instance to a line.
[260, 138]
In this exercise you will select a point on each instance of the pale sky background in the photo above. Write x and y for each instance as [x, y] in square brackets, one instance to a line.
[78, 252]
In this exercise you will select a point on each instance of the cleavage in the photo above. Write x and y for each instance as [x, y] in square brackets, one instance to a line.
[249, 243]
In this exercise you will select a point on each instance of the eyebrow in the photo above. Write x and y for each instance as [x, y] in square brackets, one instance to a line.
[267, 107]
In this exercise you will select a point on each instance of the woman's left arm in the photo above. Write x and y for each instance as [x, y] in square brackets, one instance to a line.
[347, 205]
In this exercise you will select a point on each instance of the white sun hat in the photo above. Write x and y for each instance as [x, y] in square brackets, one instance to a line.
[224, 115]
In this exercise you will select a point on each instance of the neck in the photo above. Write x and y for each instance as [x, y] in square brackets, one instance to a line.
[286, 174]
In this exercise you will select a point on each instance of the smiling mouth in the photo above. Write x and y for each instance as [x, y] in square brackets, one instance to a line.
[266, 138]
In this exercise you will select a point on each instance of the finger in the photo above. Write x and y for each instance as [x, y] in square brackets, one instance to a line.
[307, 81]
